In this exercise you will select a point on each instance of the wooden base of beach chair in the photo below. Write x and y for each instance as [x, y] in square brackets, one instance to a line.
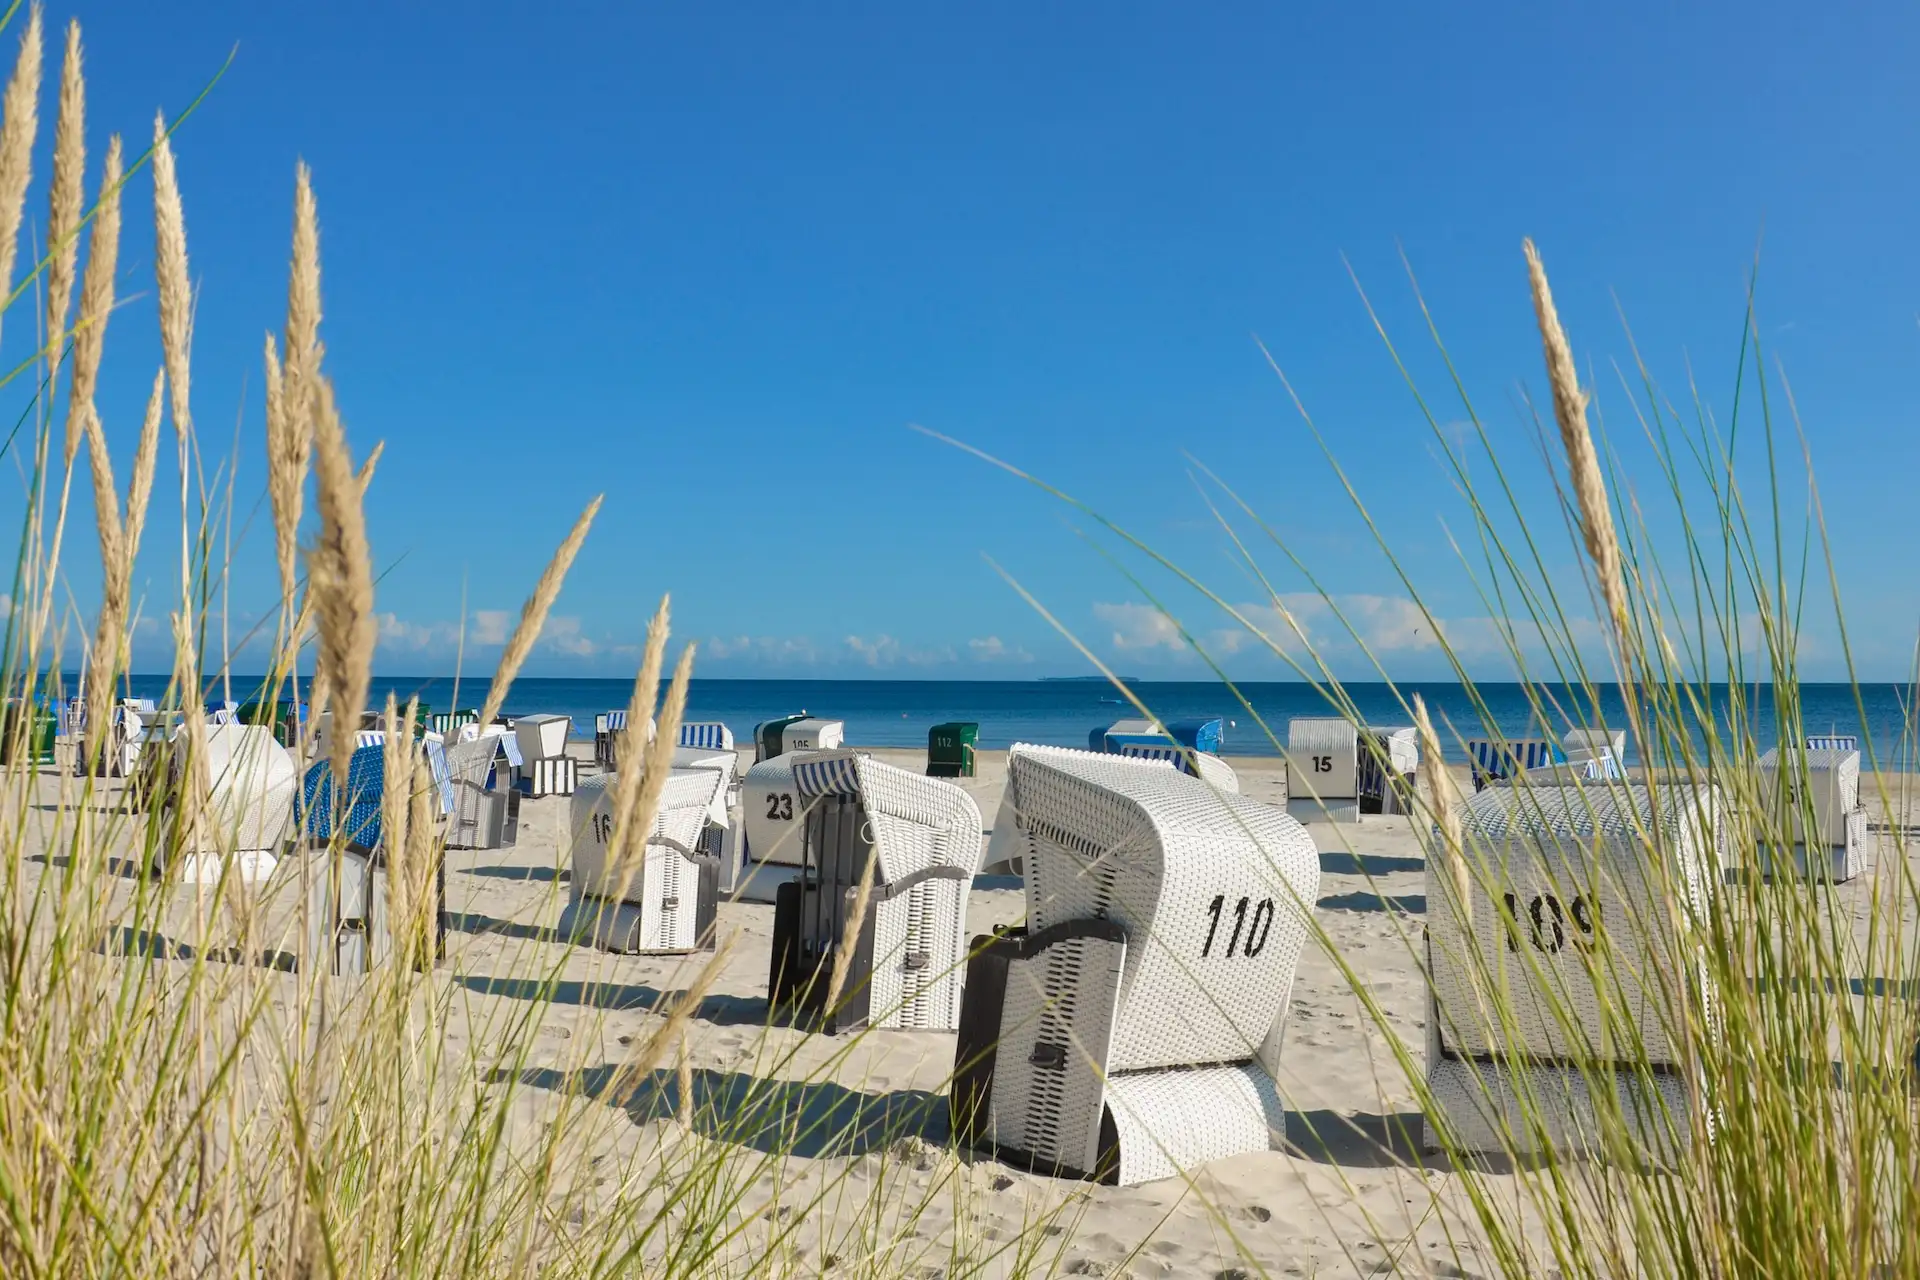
[1307, 809]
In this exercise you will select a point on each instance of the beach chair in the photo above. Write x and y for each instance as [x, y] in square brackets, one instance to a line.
[950, 749]
[1385, 771]
[251, 781]
[667, 904]
[720, 837]
[1131, 1030]
[544, 737]
[706, 735]
[1578, 746]
[1559, 871]
[1323, 769]
[1504, 760]
[1814, 798]
[486, 803]
[69, 728]
[773, 738]
[923, 836]
[1210, 769]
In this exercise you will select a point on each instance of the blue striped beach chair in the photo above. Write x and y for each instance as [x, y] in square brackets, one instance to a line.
[1500, 761]
[707, 735]
[605, 726]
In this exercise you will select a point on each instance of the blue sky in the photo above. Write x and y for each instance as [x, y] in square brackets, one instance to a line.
[714, 260]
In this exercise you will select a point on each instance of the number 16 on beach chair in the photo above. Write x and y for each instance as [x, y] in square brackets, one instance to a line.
[1131, 1030]
[667, 903]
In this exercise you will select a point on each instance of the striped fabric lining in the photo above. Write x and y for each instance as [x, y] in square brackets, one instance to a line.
[710, 735]
[1834, 742]
[834, 775]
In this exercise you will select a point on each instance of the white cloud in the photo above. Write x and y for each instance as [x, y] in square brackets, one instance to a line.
[562, 632]
[885, 651]
[994, 649]
[414, 637]
[489, 626]
[778, 650]
[1140, 626]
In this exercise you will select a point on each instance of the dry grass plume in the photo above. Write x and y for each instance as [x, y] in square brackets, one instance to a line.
[340, 580]
[66, 194]
[1583, 462]
[18, 127]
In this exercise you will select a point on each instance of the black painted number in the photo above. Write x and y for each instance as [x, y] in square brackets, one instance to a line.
[1251, 920]
[1547, 921]
[780, 805]
[602, 826]
[1323, 764]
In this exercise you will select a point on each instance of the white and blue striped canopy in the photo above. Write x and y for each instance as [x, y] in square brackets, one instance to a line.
[1500, 759]
[616, 721]
[833, 775]
[709, 735]
[1834, 742]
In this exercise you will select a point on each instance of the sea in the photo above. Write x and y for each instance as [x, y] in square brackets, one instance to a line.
[898, 713]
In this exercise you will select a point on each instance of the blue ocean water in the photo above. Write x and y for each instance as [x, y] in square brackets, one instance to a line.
[898, 713]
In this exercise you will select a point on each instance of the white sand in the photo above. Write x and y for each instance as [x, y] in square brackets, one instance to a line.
[1353, 1175]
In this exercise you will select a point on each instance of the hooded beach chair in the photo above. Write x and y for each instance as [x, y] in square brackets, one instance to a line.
[1568, 927]
[666, 904]
[1388, 763]
[796, 733]
[1323, 769]
[251, 781]
[1210, 769]
[1578, 746]
[1132, 1028]
[1813, 797]
[719, 838]
[1505, 760]
[351, 929]
[923, 836]
[486, 804]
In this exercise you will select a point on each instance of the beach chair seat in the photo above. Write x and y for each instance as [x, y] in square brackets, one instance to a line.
[1210, 769]
[1131, 1030]
[923, 836]
[486, 803]
[667, 904]
[1505, 760]
[251, 781]
[1812, 798]
[1567, 925]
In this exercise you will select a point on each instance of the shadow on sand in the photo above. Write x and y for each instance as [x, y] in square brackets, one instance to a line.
[721, 1010]
[805, 1118]
[1415, 903]
[547, 875]
[1368, 864]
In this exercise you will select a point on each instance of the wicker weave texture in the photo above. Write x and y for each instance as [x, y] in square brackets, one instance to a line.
[667, 884]
[916, 824]
[772, 812]
[1571, 927]
[1049, 1084]
[1211, 888]
[1832, 782]
[1170, 1121]
[251, 782]
[1323, 759]
[1582, 745]
[1533, 1108]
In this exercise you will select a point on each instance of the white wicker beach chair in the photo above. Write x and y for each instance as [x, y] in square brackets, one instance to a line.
[1578, 746]
[667, 904]
[251, 782]
[720, 836]
[1567, 927]
[486, 803]
[923, 837]
[1814, 797]
[1132, 1029]
[1007, 843]
[1210, 769]
[1323, 770]
[543, 737]
[1389, 761]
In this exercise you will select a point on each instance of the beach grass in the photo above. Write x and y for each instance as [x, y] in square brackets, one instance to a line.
[185, 1090]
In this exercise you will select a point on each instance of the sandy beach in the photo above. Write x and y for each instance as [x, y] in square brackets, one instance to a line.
[836, 1133]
